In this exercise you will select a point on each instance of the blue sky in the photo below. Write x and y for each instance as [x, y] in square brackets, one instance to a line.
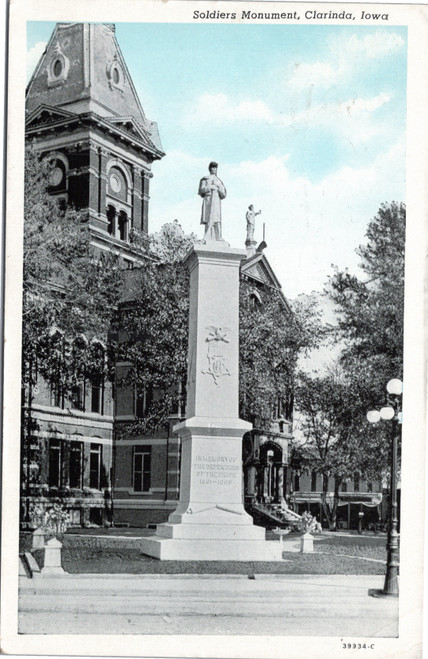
[307, 122]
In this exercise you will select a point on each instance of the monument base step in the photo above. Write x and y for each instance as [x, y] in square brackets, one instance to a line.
[219, 532]
[185, 549]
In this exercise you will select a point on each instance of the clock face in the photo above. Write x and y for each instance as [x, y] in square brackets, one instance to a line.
[56, 176]
[115, 183]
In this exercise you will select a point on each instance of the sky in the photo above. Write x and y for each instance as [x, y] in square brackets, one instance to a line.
[307, 123]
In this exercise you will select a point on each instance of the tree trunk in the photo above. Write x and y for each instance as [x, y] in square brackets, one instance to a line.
[324, 500]
[337, 482]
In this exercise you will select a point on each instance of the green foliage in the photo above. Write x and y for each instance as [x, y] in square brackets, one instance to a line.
[68, 290]
[371, 310]
[337, 441]
[171, 244]
[153, 328]
[333, 406]
[271, 339]
[371, 321]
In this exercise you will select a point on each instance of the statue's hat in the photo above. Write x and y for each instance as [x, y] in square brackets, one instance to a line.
[212, 164]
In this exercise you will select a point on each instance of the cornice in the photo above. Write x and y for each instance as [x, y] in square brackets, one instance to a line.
[92, 119]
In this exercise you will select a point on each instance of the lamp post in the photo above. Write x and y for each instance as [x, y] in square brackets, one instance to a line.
[392, 412]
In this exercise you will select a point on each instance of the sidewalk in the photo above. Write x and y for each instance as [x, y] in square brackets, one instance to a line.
[187, 604]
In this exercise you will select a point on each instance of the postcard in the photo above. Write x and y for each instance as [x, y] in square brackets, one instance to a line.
[214, 362]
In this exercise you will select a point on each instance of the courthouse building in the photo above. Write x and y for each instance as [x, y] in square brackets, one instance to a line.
[83, 113]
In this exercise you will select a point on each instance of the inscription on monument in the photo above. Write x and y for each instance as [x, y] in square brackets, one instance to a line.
[216, 470]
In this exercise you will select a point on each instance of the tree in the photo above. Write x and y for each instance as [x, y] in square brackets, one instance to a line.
[67, 287]
[152, 329]
[272, 336]
[370, 325]
[371, 310]
[336, 442]
[171, 244]
[69, 296]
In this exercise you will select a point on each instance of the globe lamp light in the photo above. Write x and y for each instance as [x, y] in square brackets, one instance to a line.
[373, 416]
[395, 387]
[387, 413]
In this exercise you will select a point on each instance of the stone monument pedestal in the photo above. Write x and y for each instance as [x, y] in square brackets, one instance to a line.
[210, 522]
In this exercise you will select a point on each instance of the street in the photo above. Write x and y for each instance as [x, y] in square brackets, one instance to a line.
[178, 604]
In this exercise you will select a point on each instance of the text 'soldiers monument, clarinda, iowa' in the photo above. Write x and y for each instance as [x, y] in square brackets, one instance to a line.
[210, 522]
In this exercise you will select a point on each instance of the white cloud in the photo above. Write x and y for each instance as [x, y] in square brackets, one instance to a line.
[308, 226]
[349, 118]
[219, 108]
[319, 74]
[359, 105]
[373, 46]
[33, 56]
[345, 56]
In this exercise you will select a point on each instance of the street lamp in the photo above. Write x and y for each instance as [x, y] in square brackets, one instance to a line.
[391, 412]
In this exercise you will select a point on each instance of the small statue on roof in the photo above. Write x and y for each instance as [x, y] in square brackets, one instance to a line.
[251, 222]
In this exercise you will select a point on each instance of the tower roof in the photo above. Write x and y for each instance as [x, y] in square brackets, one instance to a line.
[83, 70]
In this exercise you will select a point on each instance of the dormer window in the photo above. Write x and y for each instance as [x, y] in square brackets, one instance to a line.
[58, 67]
[115, 74]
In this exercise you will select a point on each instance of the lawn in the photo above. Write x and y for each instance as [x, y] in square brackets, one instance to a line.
[109, 554]
[373, 547]
[130, 561]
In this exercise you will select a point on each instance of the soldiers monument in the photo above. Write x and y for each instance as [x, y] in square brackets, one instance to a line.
[210, 522]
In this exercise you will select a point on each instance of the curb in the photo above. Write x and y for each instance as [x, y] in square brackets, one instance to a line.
[67, 576]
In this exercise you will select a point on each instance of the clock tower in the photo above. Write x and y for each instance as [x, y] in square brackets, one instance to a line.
[83, 113]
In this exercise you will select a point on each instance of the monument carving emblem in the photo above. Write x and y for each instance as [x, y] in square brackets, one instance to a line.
[217, 352]
[212, 191]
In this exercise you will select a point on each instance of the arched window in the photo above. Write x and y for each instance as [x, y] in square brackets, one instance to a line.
[111, 217]
[57, 172]
[97, 377]
[296, 482]
[313, 481]
[55, 473]
[78, 390]
[75, 464]
[57, 176]
[95, 463]
[57, 348]
[117, 184]
[255, 299]
[123, 225]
